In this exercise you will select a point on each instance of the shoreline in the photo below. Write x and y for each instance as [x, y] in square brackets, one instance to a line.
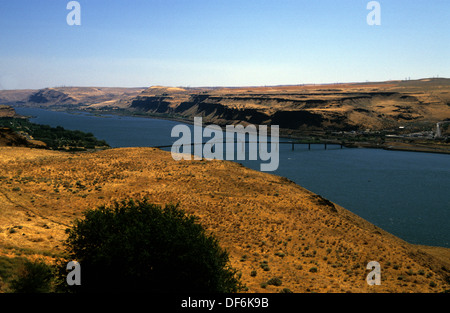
[367, 146]
[287, 134]
[284, 133]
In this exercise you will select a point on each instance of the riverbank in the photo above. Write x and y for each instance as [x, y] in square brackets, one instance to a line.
[395, 190]
[350, 141]
[374, 140]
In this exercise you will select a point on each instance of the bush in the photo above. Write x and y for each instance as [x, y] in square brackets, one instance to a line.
[274, 281]
[280, 254]
[140, 247]
[265, 266]
[33, 277]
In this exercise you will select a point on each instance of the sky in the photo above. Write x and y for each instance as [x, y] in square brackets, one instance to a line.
[193, 43]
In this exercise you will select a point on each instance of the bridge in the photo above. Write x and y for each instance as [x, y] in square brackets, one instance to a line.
[292, 143]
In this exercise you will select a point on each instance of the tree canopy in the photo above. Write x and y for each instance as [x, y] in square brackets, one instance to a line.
[136, 246]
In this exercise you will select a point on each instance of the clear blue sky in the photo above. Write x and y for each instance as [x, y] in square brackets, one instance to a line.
[220, 42]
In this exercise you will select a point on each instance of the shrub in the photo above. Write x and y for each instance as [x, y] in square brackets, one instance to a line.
[33, 277]
[275, 281]
[265, 266]
[313, 269]
[280, 254]
[141, 247]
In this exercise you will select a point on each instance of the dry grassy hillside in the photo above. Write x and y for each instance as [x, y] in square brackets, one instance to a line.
[357, 106]
[270, 226]
[68, 97]
[7, 111]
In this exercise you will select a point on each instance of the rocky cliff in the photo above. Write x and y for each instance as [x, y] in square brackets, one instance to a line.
[337, 107]
[417, 105]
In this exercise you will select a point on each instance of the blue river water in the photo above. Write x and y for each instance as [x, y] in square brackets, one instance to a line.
[404, 193]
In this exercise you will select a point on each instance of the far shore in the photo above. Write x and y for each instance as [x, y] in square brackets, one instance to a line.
[285, 133]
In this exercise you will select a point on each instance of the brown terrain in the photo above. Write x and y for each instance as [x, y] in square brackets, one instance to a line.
[356, 114]
[417, 104]
[377, 106]
[11, 138]
[7, 111]
[68, 97]
[271, 227]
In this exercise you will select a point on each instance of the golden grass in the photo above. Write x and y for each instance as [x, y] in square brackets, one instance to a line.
[259, 218]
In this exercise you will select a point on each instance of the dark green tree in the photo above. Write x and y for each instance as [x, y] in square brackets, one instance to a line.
[141, 247]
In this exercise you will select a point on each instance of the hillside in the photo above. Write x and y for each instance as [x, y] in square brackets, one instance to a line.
[340, 107]
[413, 105]
[10, 137]
[398, 115]
[270, 226]
[17, 131]
[67, 97]
[7, 111]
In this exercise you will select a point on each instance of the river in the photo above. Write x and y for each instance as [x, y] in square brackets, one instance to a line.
[404, 193]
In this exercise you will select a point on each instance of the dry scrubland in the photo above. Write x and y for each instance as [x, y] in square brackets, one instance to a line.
[271, 227]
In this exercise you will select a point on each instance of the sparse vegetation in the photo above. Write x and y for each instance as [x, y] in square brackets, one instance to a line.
[275, 281]
[265, 266]
[251, 224]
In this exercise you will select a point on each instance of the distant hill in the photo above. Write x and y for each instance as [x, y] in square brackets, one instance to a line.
[358, 106]
[416, 104]
[273, 229]
[67, 97]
